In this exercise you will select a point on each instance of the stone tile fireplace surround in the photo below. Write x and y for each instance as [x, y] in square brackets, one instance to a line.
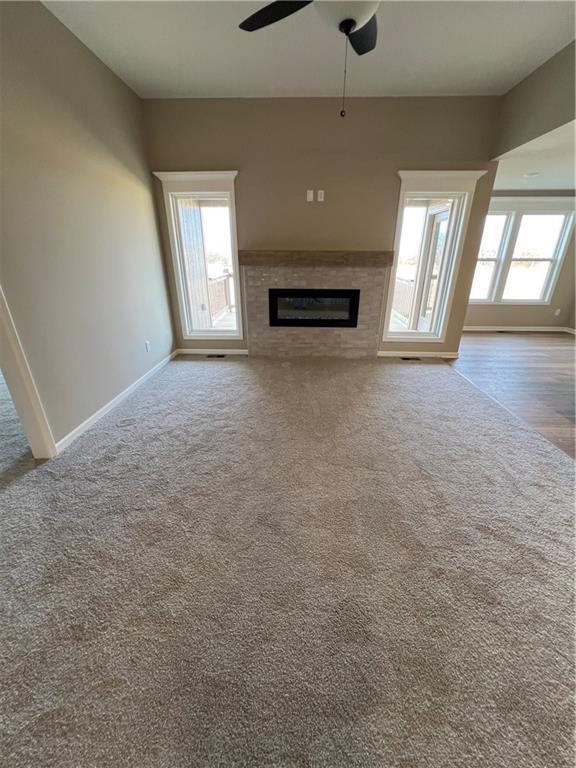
[367, 271]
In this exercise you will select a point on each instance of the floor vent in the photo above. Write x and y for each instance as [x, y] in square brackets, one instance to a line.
[215, 355]
[411, 358]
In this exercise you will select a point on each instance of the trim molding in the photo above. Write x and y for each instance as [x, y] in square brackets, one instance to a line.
[209, 352]
[195, 175]
[85, 425]
[210, 184]
[518, 328]
[531, 193]
[22, 387]
[534, 200]
[462, 186]
[448, 175]
[393, 353]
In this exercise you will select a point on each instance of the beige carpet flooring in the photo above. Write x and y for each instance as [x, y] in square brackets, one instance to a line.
[300, 564]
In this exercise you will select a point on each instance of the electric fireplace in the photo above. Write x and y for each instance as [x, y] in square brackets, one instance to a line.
[311, 307]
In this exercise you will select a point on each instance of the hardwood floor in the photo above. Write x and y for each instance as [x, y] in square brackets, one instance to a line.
[530, 374]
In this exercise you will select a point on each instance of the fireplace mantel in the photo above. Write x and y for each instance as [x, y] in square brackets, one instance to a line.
[316, 258]
[267, 274]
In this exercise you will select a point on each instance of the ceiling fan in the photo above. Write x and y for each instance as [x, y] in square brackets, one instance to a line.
[356, 20]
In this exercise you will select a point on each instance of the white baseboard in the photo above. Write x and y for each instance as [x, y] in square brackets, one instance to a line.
[81, 428]
[210, 352]
[393, 353]
[518, 328]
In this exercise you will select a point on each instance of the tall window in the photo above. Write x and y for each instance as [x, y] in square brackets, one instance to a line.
[522, 249]
[200, 211]
[430, 234]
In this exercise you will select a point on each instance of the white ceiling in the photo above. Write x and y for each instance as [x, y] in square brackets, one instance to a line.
[551, 156]
[195, 49]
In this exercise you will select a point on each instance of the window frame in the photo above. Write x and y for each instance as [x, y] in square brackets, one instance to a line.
[208, 184]
[515, 208]
[504, 240]
[461, 186]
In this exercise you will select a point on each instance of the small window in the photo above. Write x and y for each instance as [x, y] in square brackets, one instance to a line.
[522, 250]
[200, 209]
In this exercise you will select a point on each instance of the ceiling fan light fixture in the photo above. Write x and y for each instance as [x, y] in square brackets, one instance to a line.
[357, 20]
[336, 12]
[347, 26]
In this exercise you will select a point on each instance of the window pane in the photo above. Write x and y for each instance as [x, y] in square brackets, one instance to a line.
[538, 236]
[413, 221]
[492, 235]
[482, 280]
[438, 243]
[204, 228]
[423, 272]
[526, 280]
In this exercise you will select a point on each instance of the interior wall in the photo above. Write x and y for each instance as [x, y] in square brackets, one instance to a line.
[282, 147]
[80, 262]
[541, 102]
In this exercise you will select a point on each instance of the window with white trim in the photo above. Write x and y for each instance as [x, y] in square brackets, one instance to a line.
[430, 231]
[522, 249]
[201, 223]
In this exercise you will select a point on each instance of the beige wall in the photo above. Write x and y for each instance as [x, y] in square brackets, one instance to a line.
[541, 102]
[281, 147]
[80, 261]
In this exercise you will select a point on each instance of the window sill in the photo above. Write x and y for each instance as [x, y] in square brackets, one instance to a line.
[222, 335]
[417, 337]
[509, 303]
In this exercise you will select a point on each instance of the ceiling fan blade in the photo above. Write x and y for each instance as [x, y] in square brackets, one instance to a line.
[272, 13]
[364, 40]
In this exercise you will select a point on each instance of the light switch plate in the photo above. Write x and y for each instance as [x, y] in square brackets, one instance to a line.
[320, 196]
[309, 195]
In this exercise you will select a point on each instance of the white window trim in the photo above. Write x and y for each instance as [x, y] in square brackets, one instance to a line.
[460, 184]
[177, 184]
[515, 207]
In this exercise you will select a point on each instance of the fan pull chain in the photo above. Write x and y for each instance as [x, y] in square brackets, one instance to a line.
[343, 110]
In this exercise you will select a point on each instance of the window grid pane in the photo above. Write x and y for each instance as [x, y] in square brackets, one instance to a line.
[538, 236]
[526, 280]
[482, 279]
[488, 256]
[492, 235]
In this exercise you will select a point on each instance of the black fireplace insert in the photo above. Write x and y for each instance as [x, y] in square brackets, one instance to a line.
[313, 307]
